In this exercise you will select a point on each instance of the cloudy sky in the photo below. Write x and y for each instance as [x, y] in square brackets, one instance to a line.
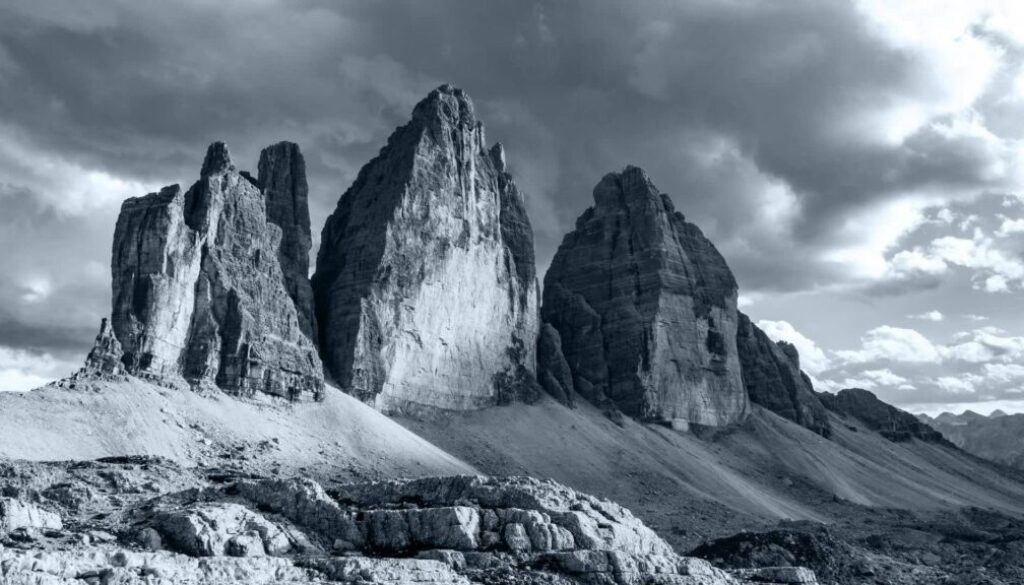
[857, 162]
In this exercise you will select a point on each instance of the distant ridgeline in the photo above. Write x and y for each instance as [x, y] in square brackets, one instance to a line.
[426, 297]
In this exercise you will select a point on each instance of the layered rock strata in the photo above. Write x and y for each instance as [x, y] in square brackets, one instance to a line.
[645, 307]
[425, 284]
[199, 293]
[773, 379]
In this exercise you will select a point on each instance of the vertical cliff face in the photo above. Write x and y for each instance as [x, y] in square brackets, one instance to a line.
[425, 283]
[282, 178]
[199, 293]
[772, 376]
[645, 307]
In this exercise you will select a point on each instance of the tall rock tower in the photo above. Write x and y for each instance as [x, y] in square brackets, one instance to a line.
[645, 309]
[425, 282]
[199, 292]
[282, 178]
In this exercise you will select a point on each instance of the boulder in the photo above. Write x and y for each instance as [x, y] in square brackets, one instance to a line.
[425, 285]
[199, 293]
[773, 379]
[221, 529]
[646, 309]
[18, 514]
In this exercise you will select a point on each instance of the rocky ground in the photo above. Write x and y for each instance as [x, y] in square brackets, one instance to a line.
[147, 520]
[970, 546]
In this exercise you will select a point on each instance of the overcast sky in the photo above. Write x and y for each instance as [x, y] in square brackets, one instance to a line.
[858, 163]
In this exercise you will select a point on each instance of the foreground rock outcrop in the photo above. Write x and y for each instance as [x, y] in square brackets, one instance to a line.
[200, 296]
[889, 421]
[645, 308]
[772, 376]
[425, 284]
[146, 522]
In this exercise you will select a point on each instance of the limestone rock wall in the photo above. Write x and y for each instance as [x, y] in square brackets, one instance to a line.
[425, 283]
[646, 309]
[772, 376]
[282, 178]
[199, 296]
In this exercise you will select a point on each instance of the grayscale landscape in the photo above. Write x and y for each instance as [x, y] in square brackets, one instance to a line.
[282, 303]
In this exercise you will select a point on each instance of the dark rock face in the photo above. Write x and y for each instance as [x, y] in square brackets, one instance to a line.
[646, 309]
[772, 377]
[199, 293]
[553, 372]
[890, 422]
[425, 284]
[282, 178]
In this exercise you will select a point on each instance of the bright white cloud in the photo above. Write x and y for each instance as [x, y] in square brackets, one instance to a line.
[895, 344]
[1010, 226]
[995, 284]
[928, 316]
[812, 358]
[955, 385]
[995, 269]
[22, 370]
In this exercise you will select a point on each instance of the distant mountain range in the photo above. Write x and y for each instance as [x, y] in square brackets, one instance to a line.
[998, 437]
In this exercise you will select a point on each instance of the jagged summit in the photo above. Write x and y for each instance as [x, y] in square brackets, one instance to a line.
[199, 292]
[425, 282]
[217, 159]
[446, 103]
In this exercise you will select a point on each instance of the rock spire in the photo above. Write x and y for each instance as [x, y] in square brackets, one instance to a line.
[425, 283]
[199, 294]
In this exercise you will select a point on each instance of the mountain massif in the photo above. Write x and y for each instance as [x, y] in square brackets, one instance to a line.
[269, 423]
[425, 284]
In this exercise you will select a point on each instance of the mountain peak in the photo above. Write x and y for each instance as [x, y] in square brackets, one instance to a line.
[217, 159]
[447, 103]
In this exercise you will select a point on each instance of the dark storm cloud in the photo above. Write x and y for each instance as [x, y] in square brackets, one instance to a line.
[748, 113]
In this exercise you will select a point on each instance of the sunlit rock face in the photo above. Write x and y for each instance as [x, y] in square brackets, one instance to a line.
[772, 375]
[199, 296]
[645, 307]
[425, 283]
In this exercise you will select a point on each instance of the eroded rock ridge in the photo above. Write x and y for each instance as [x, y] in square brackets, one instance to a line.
[772, 376]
